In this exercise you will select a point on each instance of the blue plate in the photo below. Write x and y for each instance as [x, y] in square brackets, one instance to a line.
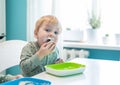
[27, 81]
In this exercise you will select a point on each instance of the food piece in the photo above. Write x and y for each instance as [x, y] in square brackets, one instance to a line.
[26, 83]
[50, 40]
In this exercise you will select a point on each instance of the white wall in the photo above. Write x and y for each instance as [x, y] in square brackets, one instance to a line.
[2, 18]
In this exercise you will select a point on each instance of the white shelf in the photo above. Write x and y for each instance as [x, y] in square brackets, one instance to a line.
[91, 46]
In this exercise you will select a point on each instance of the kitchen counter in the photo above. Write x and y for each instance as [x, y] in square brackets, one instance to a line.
[93, 46]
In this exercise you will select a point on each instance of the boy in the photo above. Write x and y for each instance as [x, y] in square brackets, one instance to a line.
[35, 55]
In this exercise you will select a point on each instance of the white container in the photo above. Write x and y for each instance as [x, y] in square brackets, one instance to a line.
[117, 38]
[73, 35]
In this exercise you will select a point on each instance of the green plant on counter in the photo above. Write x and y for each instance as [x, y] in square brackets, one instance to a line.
[107, 35]
[94, 21]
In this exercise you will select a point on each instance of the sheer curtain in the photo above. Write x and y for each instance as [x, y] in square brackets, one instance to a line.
[36, 9]
[73, 13]
[110, 16]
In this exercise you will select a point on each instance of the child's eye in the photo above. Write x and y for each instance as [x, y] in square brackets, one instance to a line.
[56, 32]
[47, 30]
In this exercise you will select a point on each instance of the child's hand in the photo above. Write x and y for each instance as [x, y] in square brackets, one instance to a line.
[17, 76]
[46, 49]
[59, 61]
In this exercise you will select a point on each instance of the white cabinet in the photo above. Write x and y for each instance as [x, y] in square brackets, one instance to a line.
[2, 20]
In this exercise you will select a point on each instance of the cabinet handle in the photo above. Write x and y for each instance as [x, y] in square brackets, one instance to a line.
[2, 35]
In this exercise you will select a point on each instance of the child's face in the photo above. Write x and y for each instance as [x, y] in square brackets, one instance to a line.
[46, 32]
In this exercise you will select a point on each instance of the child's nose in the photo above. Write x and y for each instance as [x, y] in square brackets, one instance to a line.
[51, 34]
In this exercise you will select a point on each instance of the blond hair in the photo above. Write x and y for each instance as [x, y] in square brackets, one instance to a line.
[49, 19]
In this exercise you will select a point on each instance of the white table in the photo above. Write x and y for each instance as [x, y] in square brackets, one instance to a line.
[97, 72]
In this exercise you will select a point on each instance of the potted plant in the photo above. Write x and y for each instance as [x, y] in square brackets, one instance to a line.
[95, 22]
[105, 39]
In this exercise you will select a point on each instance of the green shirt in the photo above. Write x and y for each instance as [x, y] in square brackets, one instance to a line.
[31, 64]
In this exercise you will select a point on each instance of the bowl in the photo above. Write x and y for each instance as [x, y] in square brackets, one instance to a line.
[27, 81]
[65, 69]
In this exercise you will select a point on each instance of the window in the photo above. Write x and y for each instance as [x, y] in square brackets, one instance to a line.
[110, 16]
[73, 13]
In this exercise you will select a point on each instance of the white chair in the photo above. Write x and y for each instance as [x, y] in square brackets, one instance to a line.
[10, 54]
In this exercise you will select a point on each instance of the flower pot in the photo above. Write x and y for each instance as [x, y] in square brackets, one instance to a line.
[92, 36]
[105, 40]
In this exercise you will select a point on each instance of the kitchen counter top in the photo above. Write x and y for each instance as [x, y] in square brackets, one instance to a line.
[91, 46]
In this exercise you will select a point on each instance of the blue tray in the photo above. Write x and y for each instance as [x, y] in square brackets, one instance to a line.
[27, 81]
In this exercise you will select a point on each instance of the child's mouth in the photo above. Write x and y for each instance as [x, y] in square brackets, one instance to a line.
[49, 39]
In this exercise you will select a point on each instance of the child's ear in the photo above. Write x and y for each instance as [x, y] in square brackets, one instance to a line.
[35, 34]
